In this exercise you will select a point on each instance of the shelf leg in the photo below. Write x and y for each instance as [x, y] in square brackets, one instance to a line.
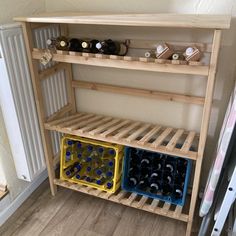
[204, 125]
[27, 31]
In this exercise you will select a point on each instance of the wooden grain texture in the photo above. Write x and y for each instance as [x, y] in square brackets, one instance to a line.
[204, 124]
[124, 64]
[73, 213]
[94, 126]
[160, 20]
[175, 97]
[35, 78]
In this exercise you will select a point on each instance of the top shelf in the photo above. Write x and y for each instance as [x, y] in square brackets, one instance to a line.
[158, 20]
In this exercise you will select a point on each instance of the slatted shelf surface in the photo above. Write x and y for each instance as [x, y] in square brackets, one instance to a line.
[133, 200]
[177, 142]
[127, 62]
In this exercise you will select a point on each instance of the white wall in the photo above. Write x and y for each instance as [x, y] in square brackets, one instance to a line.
[9, 9]
[174, 114]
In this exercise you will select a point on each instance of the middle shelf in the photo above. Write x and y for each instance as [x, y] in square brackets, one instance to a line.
[168, 140]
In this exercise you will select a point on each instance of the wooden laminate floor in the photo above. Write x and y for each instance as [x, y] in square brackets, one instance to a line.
[72, 213]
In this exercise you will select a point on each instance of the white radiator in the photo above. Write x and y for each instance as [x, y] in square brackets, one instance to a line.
[17, 100]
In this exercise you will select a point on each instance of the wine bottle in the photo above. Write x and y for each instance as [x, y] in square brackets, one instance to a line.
[167, 178]
[72, 170]
[157, 164]
[133, 171]
[150, 54]
[111, 47]
[62, 43]
[167, 189]
[145, 162]
[143, 184]
[90, 46]
[132, 181]
[144, 172]
[155, 176]
[178, 192]
[155, 187]
[75, 45]
[51, 43]
[169, 166]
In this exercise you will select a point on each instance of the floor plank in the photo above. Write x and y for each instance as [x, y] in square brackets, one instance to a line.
[73, 213]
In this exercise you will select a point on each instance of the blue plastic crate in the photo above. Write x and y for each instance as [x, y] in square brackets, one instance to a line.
[163, 158]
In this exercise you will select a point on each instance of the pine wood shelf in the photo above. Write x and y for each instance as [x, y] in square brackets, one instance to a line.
[169, 140]
[157, 20]
[132, 200]
[127, 62]
[177, 142]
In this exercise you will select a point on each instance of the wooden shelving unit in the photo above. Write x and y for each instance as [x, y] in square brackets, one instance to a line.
[138, 134]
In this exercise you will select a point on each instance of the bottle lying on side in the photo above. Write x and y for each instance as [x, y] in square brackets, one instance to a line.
[111, 47]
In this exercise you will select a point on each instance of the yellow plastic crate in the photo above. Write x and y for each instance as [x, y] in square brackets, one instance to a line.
[73, 163]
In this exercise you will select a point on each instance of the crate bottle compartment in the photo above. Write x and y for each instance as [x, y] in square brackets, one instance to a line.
[156, 175]
[92, 163]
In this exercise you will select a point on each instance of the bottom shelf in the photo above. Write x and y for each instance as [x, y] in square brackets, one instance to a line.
[133, 200]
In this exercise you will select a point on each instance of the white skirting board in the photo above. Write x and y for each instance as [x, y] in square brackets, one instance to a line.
[13, 206]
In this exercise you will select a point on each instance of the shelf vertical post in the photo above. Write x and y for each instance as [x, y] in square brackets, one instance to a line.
[64, 30]
[27, 31]
[204, 124]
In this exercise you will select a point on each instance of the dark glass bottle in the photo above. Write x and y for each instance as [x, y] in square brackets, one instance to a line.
[181, 166]
[169, 166]
[168, 178]
[155, 187]
[143, 184]
[90, 46]
[145, 162]
[178, 192]
[157, 164]
[133, 171]
[167, 189]
[132, 181]
[62, 43]
[111, 47]
[155, 176]
[75, 45]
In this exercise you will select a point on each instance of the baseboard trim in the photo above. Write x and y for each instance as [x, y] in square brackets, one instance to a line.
[13, 206]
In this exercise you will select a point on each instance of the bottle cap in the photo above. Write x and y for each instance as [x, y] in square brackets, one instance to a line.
[99, 172]
[79, 145]
[100, 149]
[110, 163]
[90, 148]
[98, 45]
[189, 51]
[68, 153]
[160, 49]
[70, 142]
[154, 175]
[169, 166]
[88, 179]
[99, 182]
[88, 159]
[147, 54]
[62, 43]
[154, 185]
[109, 173]
[89, 169]
[78, 176]
[79, 155]
[78, 167]
[175, 56]
[111, 152]
[109, 185]
[68, 172]
[49, 42]
[85, 45]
